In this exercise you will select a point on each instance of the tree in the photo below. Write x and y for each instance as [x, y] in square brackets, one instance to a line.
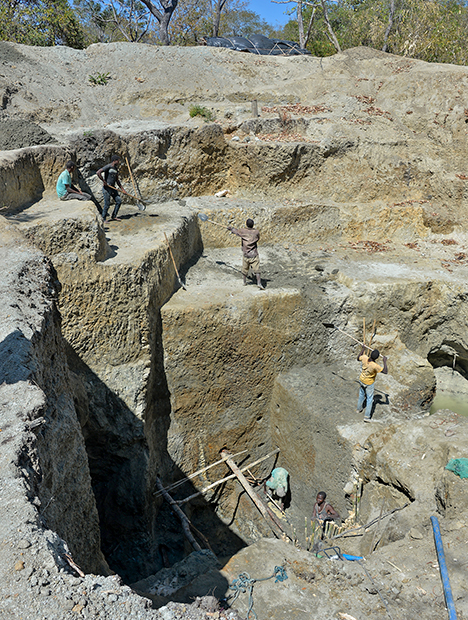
[40, 22]
[304, 38]
[194, 20]
[191, 21]
[243, 22]
[216, 13]
[431, 30]
[130, 18]
[97, 20]
[163, 16]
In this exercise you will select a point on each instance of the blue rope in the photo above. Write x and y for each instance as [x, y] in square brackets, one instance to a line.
[244, 583]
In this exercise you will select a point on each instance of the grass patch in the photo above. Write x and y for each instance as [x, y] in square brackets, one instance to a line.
[99, 79]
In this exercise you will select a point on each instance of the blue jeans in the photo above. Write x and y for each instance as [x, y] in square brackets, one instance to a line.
[109, 193]
[366, 392]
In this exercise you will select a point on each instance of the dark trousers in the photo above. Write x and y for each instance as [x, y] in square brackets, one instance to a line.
[109, 193]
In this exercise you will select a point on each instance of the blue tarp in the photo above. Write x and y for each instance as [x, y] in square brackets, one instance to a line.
[258, 44]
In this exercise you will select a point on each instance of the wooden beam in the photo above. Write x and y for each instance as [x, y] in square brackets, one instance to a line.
[253, 496]
[231, 477]
[195, 473]
[180, 514]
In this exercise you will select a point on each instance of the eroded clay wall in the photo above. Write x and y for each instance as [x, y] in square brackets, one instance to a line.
[40, 433]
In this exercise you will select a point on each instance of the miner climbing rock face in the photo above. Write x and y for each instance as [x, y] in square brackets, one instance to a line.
[367, 377]
[250, 237]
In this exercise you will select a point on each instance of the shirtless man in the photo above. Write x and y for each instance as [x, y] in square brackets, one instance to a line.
[250, 237]
[323, 511]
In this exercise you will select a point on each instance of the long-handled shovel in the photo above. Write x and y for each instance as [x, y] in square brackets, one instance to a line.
[332, 326]
[135, 188]
[140, 204]
[204, 218]
[174, 263]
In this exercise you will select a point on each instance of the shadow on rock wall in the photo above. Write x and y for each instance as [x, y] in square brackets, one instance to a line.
[136, 527]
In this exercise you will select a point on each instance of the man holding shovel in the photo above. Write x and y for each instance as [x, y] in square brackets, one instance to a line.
[250, 237]
[110, 180]
[367, 377]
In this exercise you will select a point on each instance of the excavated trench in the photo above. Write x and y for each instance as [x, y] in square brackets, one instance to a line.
[163, 380]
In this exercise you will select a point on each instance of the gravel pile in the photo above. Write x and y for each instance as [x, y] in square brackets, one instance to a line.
[18, 134]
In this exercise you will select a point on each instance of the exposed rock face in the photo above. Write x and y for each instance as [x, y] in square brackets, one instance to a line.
[358, 217]
[40, 433]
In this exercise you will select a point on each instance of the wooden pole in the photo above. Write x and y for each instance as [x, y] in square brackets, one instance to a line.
[174, 263]
[218, 482]
[180, 514]
[196, 473]
[135, 189]
[364, 330]
[373, 332]
[253, 496]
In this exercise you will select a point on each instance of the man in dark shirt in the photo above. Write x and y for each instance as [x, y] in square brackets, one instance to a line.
[110, 182]
[250, 237]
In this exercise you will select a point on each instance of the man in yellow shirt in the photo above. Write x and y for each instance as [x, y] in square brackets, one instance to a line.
[367, 377]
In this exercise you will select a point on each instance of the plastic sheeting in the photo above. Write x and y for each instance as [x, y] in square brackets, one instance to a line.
[258, 44]
[459, 467]
[278, 481]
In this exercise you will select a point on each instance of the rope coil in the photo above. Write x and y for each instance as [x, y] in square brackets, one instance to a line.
[245, 583]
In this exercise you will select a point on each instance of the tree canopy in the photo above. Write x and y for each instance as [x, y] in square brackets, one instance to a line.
[431, 30]
[40, 22]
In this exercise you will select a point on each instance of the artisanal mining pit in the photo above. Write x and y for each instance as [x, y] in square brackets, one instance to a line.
[135, 379]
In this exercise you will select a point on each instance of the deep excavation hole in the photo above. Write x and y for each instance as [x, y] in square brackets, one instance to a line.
[351, 216]
[203, 396]
[205, 390]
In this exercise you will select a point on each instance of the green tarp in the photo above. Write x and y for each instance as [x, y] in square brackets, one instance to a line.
[459, 467]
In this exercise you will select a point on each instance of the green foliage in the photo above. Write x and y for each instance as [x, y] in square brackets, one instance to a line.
[97, 21]
[198, 110]
[99, 79]
[244, 22]
[40, 22]
[430, 30]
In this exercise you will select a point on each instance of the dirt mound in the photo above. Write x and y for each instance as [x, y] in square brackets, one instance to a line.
[17, 134]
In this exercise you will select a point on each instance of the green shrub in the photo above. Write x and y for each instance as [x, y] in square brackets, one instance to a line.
[199, 110]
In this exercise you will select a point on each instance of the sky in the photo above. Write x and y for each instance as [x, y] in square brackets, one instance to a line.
[270, 11]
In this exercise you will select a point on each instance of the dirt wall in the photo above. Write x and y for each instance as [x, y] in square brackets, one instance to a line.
[43, 440]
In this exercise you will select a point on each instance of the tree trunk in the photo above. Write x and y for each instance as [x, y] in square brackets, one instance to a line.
[309, 28]
[163, 17]
[300, 23]
[390, 25]
[217, 16]
[333, 38]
